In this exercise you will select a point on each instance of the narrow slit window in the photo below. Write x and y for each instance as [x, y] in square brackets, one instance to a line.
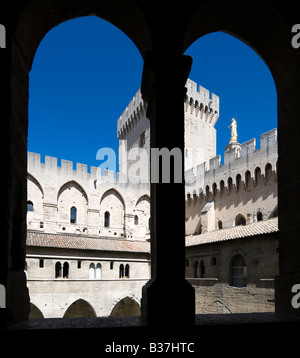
[73, 215]
[29, 206]
[107, 219]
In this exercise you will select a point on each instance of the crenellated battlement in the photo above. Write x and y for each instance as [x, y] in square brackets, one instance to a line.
[199, 103]
[135, 110]
[34, 163]
[54, 190]
[50, 168]
[241, 159]
[237, 161]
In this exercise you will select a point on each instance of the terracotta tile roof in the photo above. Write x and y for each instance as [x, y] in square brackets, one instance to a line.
[237, 232]
[66, 241]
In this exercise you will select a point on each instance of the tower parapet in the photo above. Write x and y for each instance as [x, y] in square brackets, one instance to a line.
[199, 103]
[201, 115]
[135, 110]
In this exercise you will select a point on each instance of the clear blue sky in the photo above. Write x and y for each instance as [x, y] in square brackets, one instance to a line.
[86, 71]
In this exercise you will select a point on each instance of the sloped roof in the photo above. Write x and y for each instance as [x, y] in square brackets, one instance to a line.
[66, 241]
[237, 232]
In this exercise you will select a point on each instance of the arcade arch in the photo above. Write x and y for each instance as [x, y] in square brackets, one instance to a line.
[80, 308]
[126, 307]
[35, 312]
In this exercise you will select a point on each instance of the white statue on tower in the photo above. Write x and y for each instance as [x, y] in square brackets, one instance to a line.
[233, 128]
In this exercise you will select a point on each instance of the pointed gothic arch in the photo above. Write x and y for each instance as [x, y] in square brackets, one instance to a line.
[80, 308]
[115, 193]
[35, 312]
[72, 184]
[126, 307]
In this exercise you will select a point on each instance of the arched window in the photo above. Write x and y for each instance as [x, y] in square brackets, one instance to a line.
[202, 268]
[238, 272]
[136, 220]
[247, 179]
[259, 216]
[127, 269]
[221, 187]
[29, 206]
[207, 192]
[98, 272]
[121, 271]
[238, 182]
[257, 175]
[107, 219]
[191, 105]
[220, 225]
[229, 184]
[214, 189]
[194, 198]
[92, 271]
[196, 264]
[188, 198]
[73, 215]
[58, 270]
[240, 220]
[268, 172]
[66, 270]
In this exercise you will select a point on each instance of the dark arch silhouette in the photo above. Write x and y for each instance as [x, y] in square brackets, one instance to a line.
[80, 308]
[126, 307]
[35, 312]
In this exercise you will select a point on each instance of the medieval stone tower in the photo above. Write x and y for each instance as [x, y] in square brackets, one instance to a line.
[201, 115]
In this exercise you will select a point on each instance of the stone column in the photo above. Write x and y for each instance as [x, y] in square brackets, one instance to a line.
[14, 89]
[167, 299]
[287, 283]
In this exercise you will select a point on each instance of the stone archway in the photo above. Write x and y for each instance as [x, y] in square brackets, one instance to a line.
[80, 308]
[35, 312]
[126, 307]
